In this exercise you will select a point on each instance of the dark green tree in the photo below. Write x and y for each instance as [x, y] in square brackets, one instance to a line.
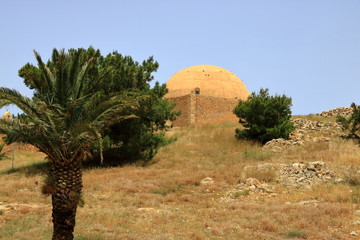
[351, 124]
[140, 138]
[132, 139]
[2, 154]
[264, 117]
[62, 121]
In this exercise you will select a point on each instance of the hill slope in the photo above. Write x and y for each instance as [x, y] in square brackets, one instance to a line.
[205, 185]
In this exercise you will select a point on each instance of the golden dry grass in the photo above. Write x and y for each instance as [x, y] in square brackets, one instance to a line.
[165, 200]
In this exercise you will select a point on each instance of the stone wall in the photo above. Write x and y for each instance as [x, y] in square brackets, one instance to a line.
[199, 109]
[183, 104]
[215, 110]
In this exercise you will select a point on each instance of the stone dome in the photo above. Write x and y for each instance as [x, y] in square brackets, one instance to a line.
[206, 80]
[7, 115]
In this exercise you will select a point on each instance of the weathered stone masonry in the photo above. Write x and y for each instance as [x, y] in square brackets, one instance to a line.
[198, 109]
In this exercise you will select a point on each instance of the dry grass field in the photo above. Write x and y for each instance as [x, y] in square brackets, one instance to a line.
[166, 199]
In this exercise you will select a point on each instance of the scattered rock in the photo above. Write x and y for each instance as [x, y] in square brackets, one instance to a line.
[308, 202]
[357, 222]
[207, 181]
[302, 134]
[339, 180]
[353, 233]
[303, 125]
[280, 144]
[250, 186]
[295, 175]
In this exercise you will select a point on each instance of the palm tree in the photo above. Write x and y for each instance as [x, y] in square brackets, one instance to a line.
[62, 121]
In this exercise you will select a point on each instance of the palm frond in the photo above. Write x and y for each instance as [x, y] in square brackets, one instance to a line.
[73, 74]
[82, 133]
[48, 76]
[10, 96]
[111, 108]
[61, 81]
[54, 55]
[80, 80]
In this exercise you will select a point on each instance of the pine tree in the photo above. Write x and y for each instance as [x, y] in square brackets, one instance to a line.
[351, 124]
[264, 117]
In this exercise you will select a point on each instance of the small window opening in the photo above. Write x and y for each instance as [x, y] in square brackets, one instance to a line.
[197, 90]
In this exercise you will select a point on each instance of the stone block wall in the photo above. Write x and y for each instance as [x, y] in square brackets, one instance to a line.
[199, 109]
[215, 110]
[183, 104]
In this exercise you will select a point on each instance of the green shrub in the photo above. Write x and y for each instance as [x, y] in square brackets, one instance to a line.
[297, 234]
[355, 195]
[264, 117]
[351, 124]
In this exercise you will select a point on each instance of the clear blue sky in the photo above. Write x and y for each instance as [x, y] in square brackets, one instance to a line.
[306, 49]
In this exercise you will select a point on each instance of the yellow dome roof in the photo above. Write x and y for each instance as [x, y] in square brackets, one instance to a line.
[209, 81]
[7, 115]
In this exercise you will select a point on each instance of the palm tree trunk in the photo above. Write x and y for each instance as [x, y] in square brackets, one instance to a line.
[66, 194]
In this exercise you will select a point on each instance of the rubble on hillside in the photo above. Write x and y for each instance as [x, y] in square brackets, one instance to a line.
[304, 124]
[304, 175]
[342, 111]
[280, 144]
[249, 186]
[295, 175]
[306, 129]
[303, 134]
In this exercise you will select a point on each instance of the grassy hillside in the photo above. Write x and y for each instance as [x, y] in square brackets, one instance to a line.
[169, 198]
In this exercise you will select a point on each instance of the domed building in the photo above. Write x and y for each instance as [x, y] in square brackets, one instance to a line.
[7, 115]
[205, 94]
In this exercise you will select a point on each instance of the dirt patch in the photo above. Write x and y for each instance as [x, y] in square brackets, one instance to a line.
[6, 207]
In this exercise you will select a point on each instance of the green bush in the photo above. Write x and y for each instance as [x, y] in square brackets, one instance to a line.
[351, 124]
[264, 117]
[297, 234]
